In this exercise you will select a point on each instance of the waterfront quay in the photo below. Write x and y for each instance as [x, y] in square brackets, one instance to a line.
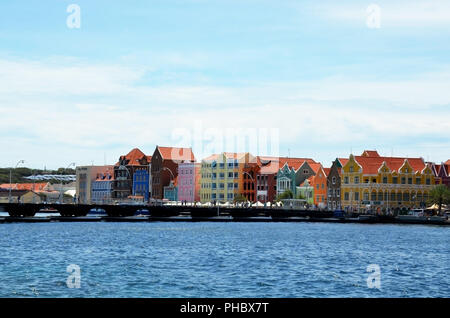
[26, 213]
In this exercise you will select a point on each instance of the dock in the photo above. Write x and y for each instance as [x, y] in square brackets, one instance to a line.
[25, 213]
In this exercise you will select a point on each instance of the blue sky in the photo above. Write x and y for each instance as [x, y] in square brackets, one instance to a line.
[139, 73]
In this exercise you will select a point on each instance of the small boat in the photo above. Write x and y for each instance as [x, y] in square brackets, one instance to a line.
[414, 216]
[97, 212]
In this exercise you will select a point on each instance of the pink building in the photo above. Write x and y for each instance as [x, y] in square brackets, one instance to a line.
[189, 182]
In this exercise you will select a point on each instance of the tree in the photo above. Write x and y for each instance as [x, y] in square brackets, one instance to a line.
[285, 195]
[301, 197]
[439, 195]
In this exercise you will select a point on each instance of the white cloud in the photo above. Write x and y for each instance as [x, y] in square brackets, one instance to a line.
[61, 114]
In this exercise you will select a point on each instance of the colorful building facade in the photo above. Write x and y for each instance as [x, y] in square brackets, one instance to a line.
[334, 184]
[141, 183]
[102, 187]
[171, 191]
[86, 177]
[442, 173]
[124, 170]
[189, 182]
[164, 167]
[319, 184]
[226, 175]
[266, 178]
[293, 174]
[373, 182]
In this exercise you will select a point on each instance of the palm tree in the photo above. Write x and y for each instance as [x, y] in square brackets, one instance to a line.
[439, 195]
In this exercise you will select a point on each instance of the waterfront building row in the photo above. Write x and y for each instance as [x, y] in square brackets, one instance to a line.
[173, 174]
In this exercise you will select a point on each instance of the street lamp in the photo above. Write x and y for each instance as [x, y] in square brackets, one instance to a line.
[173, 176]
[10, 178]
[165, 168]
[60, 189]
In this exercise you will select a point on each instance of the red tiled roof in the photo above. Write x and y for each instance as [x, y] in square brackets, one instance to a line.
[271, 165]
[295, 163]
[370, 153]
[134, 156]
[315, 167]
[178, 154]
[25, 186]
[343, 161]
[371, 165]
[447, 162]
[327, 171]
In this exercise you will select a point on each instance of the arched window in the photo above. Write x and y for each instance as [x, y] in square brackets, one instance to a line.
[406, 196]
[380, 196]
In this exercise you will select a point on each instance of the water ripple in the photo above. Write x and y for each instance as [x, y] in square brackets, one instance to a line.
[223, 260]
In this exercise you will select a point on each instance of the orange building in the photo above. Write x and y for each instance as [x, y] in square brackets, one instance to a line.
[319, 183]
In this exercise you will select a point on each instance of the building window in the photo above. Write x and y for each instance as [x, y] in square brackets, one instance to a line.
[356, 180]
[406, 196]
[380, 196]
[346, 180]
[395, 180]
[333, 180]
[385, 180]
[346, 196]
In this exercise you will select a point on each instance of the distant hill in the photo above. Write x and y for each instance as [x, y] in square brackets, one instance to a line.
[19, 174]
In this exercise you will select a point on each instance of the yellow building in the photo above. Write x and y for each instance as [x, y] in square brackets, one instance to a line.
[22, 196]
[380, 184]
[222, 176]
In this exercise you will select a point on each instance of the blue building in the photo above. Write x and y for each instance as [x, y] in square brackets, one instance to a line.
[102, 188]
[171, 192]
[141, 183]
